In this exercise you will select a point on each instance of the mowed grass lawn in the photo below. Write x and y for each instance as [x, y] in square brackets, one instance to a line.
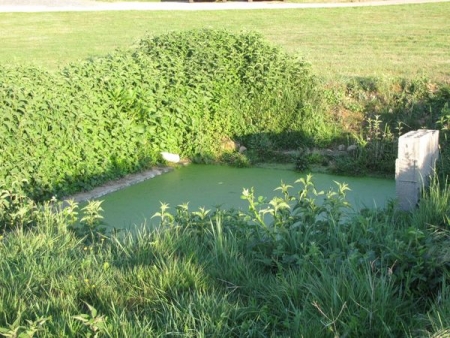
[399, 41]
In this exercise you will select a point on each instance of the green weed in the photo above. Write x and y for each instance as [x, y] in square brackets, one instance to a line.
[179, 92]
[297, 265]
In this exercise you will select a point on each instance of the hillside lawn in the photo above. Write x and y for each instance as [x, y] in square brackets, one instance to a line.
[407, 41]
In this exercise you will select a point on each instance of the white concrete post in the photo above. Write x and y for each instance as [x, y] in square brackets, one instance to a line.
[418, 151]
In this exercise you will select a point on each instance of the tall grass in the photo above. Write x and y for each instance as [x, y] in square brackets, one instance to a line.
[199, 273]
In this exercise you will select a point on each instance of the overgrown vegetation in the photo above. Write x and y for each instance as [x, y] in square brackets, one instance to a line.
[288, 266]
[181, 92]
[376, 112]
[303, 264]
[189, 93]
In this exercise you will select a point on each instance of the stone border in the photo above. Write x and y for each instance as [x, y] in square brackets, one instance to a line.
[116, 185]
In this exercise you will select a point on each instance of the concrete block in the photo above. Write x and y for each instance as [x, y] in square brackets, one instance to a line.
[418, 151]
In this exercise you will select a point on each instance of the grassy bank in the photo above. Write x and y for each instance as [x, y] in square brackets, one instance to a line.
[394, 41]
[308, 272]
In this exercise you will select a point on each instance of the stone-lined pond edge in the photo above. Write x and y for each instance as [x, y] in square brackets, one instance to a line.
[119, 184]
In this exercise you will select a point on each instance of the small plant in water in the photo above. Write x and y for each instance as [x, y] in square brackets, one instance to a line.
[165, 216]
[90, 225]
[289, 230]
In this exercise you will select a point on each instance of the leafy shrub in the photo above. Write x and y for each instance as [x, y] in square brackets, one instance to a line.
[180, 92]
[16, 209]
[243, 87]
[59, 136]
[294, 229]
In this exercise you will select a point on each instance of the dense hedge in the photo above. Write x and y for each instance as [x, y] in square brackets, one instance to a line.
[180, 92]
[60, 135]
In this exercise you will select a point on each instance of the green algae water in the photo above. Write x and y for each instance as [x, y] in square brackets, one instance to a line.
[212, 186]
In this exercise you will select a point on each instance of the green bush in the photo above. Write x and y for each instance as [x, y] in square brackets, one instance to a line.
[238, 86]
[59, 136]
[180, 92]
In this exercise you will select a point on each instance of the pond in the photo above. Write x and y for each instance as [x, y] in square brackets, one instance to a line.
[210, 186]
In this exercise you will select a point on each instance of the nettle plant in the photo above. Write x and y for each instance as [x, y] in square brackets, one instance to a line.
[16, 209]
[180, 92]
[286, 231]
[295, 229]
[377, 146]
[238, 86]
